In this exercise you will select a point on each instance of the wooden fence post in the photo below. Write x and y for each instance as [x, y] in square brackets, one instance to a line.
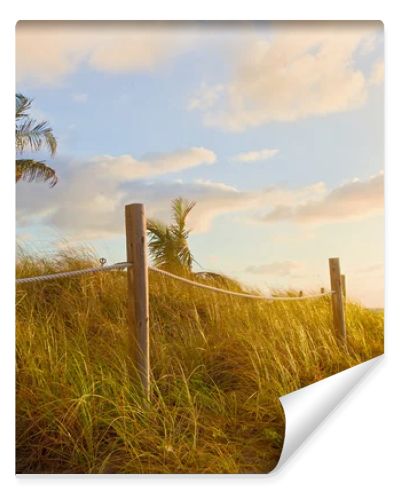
[343, 284]
[138, 290]
[339, 320]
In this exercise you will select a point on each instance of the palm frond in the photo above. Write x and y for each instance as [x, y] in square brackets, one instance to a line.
[29, 133]
[22, 105]
[186, 256]
[180, 211]
[32, 170]
[158, 241]
[156, 228]
[168, 243]
[32, 134]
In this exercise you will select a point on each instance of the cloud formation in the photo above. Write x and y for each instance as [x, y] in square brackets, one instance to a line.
[88, 202]
[126, 167]
[354, 200]
[251, 156]
[302, 70]
[206, 97]
[89, 199]
[94, 210]
[49, 51]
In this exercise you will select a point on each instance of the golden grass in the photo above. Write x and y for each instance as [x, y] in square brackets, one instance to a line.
[218, 366]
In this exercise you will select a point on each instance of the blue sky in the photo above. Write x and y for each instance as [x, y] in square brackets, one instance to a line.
[274, 129]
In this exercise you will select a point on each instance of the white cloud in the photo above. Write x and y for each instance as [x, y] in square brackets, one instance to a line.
[92, 208]
[251, 156]
[282, 268]
[126, 167]
[118, 47]
[206, 97]
[88, 202]
[302, 70]
[89, 198]
[354, 200]
[46, 52]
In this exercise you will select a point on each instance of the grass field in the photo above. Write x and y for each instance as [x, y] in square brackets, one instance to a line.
[219, 364]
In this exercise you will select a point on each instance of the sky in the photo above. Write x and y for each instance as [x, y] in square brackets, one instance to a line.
[274, 129]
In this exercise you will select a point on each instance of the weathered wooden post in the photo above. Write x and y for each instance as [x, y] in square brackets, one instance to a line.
[343, 284]
[138, 291]
[339, 320]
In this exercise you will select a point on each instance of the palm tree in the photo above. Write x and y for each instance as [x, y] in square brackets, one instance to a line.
[168, 243]
[29, 134]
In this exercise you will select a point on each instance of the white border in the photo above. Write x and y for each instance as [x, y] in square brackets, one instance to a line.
[354, 453]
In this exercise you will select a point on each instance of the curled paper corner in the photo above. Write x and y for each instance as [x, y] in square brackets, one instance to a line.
[306, 408]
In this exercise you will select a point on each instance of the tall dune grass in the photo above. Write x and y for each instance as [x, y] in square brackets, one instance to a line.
[219, 364]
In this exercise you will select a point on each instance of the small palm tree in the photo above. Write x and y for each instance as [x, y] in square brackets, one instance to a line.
[32, 135]
[168, 243]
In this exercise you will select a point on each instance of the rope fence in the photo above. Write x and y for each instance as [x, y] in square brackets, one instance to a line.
[236, 294]
[68, 274]
[138, 290]
[124, 265]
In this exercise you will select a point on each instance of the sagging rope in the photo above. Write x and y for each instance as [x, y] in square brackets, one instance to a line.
[79, 272]
[236, 294]
[124, 265]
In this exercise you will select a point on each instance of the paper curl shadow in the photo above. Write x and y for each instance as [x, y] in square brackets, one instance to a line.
[306, 408]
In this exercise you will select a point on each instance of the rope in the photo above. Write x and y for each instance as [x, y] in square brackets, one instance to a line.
[236, 294]
[67, 274]
[123, 265]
